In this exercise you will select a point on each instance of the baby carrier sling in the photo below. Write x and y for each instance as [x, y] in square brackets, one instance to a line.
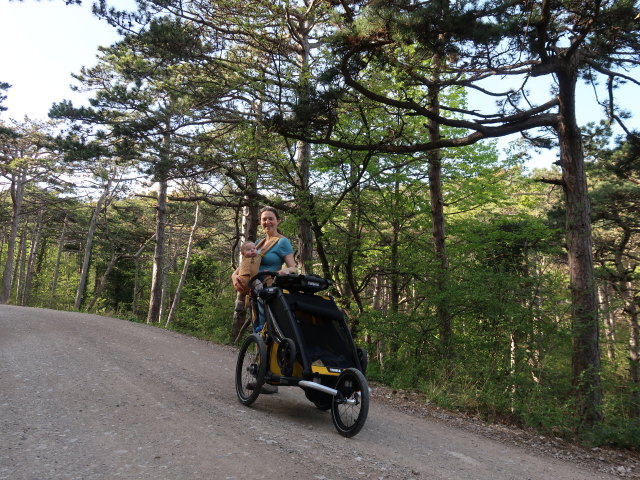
[250, 265]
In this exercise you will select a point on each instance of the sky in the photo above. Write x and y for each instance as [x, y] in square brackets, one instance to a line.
[43, 42]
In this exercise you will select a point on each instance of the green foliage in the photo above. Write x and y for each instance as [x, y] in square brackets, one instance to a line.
[206, 303]
[119, 290]
[617, 432]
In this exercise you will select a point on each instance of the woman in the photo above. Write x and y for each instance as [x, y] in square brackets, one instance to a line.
[275, 249]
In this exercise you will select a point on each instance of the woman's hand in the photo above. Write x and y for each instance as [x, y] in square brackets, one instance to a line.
[237, 284]
[287, 271]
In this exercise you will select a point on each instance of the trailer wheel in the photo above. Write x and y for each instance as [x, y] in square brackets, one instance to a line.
[350, 407]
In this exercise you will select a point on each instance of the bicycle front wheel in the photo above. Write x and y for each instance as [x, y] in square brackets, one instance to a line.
[251, 369]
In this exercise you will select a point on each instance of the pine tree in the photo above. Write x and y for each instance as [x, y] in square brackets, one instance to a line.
[484, 43]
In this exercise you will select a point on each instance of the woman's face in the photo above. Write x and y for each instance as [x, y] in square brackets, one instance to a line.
[269, 222]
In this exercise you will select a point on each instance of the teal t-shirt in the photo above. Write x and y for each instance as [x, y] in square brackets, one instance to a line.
[274, 258]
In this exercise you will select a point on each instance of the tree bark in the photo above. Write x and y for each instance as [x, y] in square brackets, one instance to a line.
[18, 277]
[102, 282]
[136, 276]
[322, 254]
[625, 288]
[2, 242]
[394, 259]
[585, 327]
[56, 268]
[302, 27]
[608, 320]
[377, 303]
[305, 209]
[185, 268]
[155, 297]
[350, 280]
[170, 261]
[84, 272]
[17, 197]
[631, 309]
[33, 255]
[443, 312]
[136, 286]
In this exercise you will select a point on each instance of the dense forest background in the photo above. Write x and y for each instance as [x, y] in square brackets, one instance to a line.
[494, 290]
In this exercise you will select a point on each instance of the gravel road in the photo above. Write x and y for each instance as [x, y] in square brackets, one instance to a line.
[90, 397]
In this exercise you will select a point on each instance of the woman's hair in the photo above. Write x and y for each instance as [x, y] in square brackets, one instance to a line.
[270, 209]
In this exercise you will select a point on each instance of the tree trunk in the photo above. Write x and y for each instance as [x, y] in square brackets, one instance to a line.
[445, 321]
[535, 353]
[102, 282]
[18, 278]
[84, 272]
[3, 241]
[305, 209]
[185, 268]
[17, 197]
[631, 309]
[513, 367]
[585, 327]
[303, 154]
[608, 320]
[443, 311]
[350, 289]
[322, 254]
[394, 260]
[56, 268]
[136, 286]
[170, 260]
[626, 290]
[33, 255]
[155, 297]
[377, 303]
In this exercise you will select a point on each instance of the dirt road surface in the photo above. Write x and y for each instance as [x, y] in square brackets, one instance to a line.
[90, 397]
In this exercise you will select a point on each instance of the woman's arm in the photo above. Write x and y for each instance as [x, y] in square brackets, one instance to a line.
[290, 263]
